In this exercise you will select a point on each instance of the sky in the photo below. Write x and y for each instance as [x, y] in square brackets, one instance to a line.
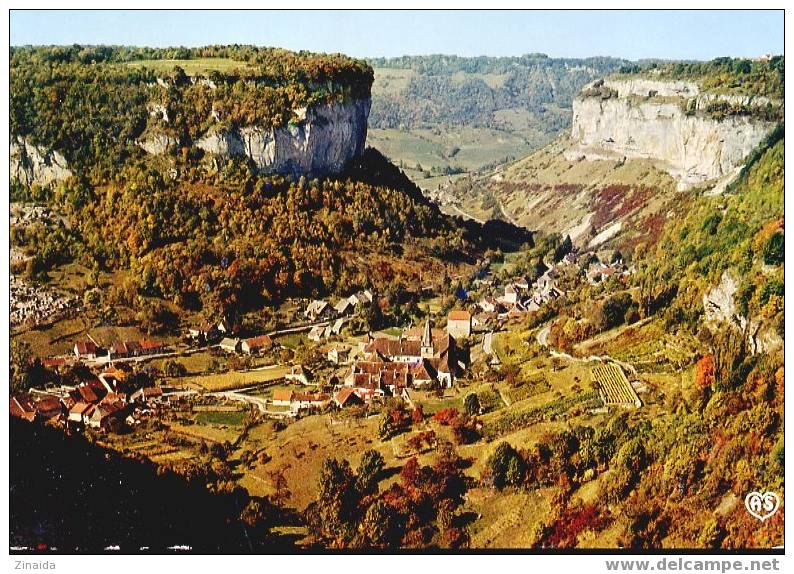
[631, 34]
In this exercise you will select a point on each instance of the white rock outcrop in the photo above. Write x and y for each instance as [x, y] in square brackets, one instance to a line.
[322, 142]
[646, 119]
[31, 164]
[720, 308]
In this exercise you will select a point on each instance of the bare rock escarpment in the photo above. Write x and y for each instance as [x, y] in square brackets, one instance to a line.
[320, 141]
[31, 164]
[665, 121]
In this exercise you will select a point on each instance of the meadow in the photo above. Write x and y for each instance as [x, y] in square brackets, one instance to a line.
[192, 67]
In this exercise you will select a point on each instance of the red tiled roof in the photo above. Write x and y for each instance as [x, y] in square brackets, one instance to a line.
[80, 408]
[395, 347]
[48, 406]
[345, 395]
[86, 347]
[459, 315]
[87, 394]
[119, 348]
[282, 395]
[22, 406]
[261, 341]
[148, 345]
[421, 372]
[132, 346]
[149, 392]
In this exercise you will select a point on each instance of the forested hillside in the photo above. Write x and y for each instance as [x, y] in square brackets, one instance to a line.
[200, 230]
[484, 91]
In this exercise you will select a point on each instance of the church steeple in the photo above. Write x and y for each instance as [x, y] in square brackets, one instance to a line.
[427, 340]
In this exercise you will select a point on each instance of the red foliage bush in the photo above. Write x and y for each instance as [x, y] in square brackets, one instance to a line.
[446, 416]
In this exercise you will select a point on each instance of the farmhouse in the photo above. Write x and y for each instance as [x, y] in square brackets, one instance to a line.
[106, 414]
[344, 307]
[309, 400]
[459, 324]
[318, 309]
[48, 407]
[133, 348]
[118, 350]
[54, 363]
[339, 354]
[80, 412]
[259, 344]
[510, 296]
[347, 397]
[282, 397]
[85, 349]
[151, 347]
[230, 345]
[316, 333]
[206, 331]
[361, 298]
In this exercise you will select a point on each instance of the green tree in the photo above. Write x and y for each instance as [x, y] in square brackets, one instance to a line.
[337, 502]
[173, 368]
[368, 471]
[471, 404]
[504, 467]
[380, 527]
[774, 249]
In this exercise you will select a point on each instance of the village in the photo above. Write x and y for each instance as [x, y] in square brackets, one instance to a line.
[116, 383]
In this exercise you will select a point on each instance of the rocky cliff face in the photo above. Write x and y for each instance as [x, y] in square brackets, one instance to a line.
[31, 164]
[666, 122]
[720, 308]
[323, 140]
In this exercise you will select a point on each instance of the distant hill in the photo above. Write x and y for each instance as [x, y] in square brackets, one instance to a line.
[502, 93]
[441, 115]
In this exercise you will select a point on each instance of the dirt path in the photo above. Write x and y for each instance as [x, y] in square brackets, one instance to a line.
[464, 214]
[542, 337]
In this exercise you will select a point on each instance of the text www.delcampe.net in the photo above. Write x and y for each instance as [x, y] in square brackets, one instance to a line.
[693, 565]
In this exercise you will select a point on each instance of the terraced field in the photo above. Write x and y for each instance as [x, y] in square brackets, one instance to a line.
[615, 387]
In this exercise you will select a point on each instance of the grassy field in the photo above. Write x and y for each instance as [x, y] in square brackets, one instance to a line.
[198, 66]
[506, 518]
[207, 432]
[221, 418]
[237, 379]
[467, 148]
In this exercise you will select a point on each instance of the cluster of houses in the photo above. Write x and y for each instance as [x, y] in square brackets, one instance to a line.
[600, 272]
[251, 346]
[298, 401]
[36, 305]
[100, 402]
[211, 333]
[335, 315]
[89, 349]
[421, 358]
[520, 296]
[224, 334]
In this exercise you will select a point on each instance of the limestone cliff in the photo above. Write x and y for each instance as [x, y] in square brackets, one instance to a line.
[31, 164]
[321, 141]
[669, 122]
[720, 308]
